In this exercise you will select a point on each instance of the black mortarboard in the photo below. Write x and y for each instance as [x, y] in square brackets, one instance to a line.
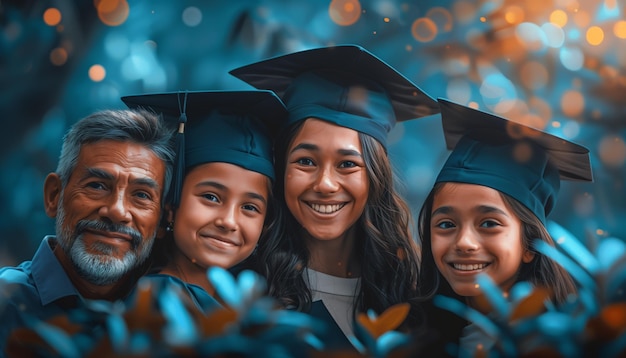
[345, 85]
[233, 127]
[523, 162]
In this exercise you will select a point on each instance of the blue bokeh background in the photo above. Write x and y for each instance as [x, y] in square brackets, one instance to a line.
[504, 56]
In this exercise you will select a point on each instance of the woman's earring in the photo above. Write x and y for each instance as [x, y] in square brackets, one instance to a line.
[170, 226]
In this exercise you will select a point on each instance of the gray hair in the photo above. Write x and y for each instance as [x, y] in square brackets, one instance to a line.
[137, 126]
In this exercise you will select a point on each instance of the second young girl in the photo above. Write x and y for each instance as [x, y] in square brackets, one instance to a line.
[489, 203]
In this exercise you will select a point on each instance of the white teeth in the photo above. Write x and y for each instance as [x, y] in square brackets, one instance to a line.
[326, 209]
[472, 267]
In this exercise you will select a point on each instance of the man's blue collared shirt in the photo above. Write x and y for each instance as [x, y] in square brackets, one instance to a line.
[38, 289]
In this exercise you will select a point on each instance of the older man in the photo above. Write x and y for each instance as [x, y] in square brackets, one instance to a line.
[106, 196]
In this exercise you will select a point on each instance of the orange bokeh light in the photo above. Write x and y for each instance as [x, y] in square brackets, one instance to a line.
[534, 75]
[112, 12]
[572, 103]
[424, 29]
[582, 19]
[344, 12]
[619, 29]
[595, 35]
[97, 73]
[58, 56]
[522, 152]
[514, 15]
[442, 18]
[464, 10]
[52, 16]
[558, 18]
[610, 4]
[541, 108]
[612, 151]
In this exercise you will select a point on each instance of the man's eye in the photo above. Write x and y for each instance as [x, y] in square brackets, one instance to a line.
[96, 185]
[143, 195]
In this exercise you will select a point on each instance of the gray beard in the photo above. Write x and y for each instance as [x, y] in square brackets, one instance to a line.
[100, 269]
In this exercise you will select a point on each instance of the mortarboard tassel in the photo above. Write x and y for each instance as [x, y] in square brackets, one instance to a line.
[179, 163]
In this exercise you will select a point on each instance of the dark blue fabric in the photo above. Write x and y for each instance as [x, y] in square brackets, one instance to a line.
[202, 299]
[345, 85]
[233, 127]
[333, 336]
[355, 103]
[534, 181]
[520, 161]
[39, 288]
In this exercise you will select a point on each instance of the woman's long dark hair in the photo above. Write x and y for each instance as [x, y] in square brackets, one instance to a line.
[385, 246]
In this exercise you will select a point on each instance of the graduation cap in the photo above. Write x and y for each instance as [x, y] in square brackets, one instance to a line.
[345, 85]
[523, 162]
[233, 127]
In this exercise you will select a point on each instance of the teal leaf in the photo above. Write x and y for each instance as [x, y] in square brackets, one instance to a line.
[313, 341]
[576, 271]
[589, 301]
[609, 251]
[389, 341]
[520, 290]
[250, 284]
[357, 344]
[140, 342]
[180, 328]
[468, 313]
[225, 286]
[616, 282]
[573, 247]
[554, 324]
[55, 337]
[118, 332]
[364, 337]
[371, 314]
[494, 295]
[298, 320]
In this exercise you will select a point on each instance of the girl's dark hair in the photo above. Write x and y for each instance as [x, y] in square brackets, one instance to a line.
[385, 249]
[541, 271]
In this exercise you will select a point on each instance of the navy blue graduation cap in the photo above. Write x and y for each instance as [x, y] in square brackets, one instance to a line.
[523, 162]
[345, 85]
[233, 127]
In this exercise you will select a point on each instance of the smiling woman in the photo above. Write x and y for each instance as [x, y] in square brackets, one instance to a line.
[342, 243]
[326, 186]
